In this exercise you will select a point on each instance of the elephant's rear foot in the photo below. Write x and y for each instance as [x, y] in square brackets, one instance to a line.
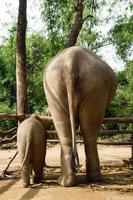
[37, 176]
[67, 180]
[94, 176]
[26, 184]
[25, 177]
[37, 180]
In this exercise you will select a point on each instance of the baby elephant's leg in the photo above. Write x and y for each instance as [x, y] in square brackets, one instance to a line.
[26, 175]
[38, 168]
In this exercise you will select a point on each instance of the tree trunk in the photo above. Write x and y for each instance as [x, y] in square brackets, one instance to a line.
[21, 58]
[77, 25]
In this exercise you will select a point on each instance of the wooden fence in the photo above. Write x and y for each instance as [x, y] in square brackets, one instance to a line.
[128, 120]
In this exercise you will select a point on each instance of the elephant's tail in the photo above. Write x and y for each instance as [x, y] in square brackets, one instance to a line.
[70, 82]
[27, 153]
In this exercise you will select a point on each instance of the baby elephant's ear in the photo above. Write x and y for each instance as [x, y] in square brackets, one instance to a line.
[47, 112]
[35, 116]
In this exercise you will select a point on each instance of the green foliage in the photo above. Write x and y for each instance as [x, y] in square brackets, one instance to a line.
[122, 37]
[58, 16]
[37, 57]
[6, 124]
[120, 137]
[129, 89]
[119, 106]
[38, 54]
[7, 71]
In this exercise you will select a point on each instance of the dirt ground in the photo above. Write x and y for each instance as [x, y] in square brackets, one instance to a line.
[117, 181]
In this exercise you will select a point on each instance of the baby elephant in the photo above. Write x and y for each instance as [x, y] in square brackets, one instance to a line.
[31, 142]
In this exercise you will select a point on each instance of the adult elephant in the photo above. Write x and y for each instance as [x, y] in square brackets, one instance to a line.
[78, 87]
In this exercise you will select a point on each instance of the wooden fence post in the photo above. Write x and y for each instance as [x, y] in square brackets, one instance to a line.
[132, 148]
[21, 59]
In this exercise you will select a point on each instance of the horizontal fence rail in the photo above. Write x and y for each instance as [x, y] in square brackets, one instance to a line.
[99, 142]
[115, 120]
[101, 132]
[125, 120]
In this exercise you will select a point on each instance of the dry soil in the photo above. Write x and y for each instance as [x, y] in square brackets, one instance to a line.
[117, 181]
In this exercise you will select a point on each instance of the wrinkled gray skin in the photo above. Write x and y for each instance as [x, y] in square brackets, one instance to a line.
[78, 87]
[31, 143]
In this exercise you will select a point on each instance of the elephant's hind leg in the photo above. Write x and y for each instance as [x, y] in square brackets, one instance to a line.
[58, 104]
[92, 159]
[91, 117]
[67, 177]
[63, 128]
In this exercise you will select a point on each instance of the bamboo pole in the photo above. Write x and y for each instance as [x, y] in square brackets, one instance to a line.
[101, 132]
[16, 117]
[8, 140]
[118, 120]
[8, 132]
[99, 142]
[49, 121]
[5, 170]
[106, 120]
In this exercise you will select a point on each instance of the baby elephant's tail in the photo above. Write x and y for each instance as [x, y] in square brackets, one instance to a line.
[27, 153]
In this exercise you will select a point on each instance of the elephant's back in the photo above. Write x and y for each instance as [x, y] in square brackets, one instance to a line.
[86, 65]
[91, 74]
[66, 58]
[77, 57]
